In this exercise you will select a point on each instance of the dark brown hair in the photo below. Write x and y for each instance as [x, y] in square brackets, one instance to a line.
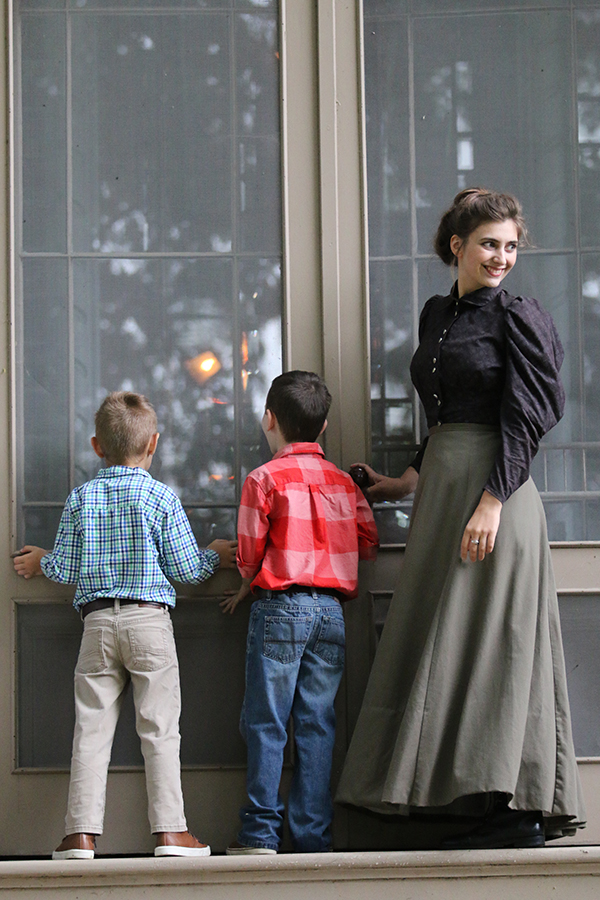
[125, 422]
[470, 209]
[300, 402]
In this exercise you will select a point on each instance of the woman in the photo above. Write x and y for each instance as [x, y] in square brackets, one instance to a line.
[466, 710]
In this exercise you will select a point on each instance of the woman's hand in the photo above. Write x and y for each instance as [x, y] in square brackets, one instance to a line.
[480, 534]
[381, 487]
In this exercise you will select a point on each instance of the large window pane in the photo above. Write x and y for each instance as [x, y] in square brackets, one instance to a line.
[151, 133]
[45, 379]
[579, 623]
[588, 94]
[43, 85]
[487, 111]
[158, 195]
[49, 636]
[591, 342]
[153, 325]
[388, 159]
[492, 94]
[149, 259]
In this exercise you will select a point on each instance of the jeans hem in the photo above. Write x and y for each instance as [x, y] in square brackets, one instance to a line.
[257, 845]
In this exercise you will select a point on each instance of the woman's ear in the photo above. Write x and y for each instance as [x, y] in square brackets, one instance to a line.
[456, 244]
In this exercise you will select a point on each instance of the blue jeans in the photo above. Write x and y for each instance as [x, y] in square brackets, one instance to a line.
[294, 664]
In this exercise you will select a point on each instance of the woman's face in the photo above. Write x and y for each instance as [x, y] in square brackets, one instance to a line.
[487, 255]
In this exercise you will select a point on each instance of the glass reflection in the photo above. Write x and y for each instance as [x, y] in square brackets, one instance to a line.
[588, 108]
[591, 342]
[152, 150]
[493, 100]
[464, 135]
[173, 170]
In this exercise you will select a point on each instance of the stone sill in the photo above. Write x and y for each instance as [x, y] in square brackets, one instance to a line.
[331, 867]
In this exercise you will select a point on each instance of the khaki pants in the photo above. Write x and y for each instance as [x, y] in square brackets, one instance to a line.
[121, 644]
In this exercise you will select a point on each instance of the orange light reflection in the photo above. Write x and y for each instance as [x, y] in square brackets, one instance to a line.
[203, 366]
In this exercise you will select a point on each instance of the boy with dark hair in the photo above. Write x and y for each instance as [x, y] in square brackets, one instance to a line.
[120, 537]
[302, 525]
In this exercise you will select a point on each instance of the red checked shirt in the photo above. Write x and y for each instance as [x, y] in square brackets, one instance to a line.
[303, 521]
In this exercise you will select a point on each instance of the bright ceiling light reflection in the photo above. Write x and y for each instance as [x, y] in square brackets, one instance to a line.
[203, 367]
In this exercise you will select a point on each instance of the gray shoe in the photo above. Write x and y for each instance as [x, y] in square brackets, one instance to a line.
[237, 849]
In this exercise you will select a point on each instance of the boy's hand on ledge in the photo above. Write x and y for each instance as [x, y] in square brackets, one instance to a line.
[226, 551]
[27, 561]
[228, 605]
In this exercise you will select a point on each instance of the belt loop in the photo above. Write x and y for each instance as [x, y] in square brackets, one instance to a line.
[117, 606]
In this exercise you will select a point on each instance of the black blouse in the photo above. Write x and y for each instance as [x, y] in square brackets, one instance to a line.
[492, 359]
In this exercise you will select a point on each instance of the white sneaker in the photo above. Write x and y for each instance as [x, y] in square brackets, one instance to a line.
[76, 846]
[179, 843]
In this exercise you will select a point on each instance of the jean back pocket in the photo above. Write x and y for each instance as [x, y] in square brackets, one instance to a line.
[285, 637]
[331, 641]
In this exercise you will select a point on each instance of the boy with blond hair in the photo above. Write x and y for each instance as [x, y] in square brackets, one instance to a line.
[302, 526]
[121, 536]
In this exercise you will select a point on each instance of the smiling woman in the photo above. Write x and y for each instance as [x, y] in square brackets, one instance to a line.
[466, 711]
[486, 256]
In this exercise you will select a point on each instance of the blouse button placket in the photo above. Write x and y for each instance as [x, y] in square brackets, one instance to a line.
[434, 361]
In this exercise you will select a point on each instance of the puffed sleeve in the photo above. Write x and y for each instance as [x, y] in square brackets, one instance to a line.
[533, 399]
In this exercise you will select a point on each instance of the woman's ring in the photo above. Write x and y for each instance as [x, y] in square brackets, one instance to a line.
[474, 541]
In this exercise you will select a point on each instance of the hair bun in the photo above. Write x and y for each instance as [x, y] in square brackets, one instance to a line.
[471, 208]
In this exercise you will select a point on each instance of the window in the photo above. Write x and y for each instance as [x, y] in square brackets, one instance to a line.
[471, 93]
[148, 241]
[147, 257]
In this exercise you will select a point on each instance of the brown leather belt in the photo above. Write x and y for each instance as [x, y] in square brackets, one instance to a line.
[106, 603]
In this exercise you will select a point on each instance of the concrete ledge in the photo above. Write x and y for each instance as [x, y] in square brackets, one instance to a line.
[563, 872]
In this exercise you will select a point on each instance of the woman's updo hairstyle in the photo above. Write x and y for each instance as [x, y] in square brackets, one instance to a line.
[470, 209]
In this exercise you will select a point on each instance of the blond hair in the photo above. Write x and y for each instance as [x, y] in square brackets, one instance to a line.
[125, 423]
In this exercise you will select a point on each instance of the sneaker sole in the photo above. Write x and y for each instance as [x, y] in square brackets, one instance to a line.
[173, 850]
[250, 851]
[72, 854]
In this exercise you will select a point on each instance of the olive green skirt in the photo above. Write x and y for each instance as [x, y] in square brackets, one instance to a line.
[467, 696]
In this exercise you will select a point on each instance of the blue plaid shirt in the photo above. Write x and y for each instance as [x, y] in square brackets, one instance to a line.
[122, 535]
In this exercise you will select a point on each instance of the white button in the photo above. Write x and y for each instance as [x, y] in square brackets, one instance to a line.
[433, 370]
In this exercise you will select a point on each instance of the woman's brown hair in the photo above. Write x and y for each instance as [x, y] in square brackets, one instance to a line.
[470, 209]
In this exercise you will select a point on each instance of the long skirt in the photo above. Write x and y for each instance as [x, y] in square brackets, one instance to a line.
[467, 697]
